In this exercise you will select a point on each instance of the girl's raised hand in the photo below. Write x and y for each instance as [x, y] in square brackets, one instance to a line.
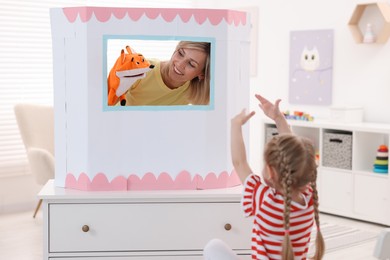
[242, 117]
[273, 112]
[269, 109]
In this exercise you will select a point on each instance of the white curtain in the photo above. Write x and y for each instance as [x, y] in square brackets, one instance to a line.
[26, 64]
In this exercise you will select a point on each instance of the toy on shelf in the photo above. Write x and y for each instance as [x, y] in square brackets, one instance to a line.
[369, 36]
[381, 164]
[298, 115]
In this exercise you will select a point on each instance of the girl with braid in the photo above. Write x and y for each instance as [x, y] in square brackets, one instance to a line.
[284, 203]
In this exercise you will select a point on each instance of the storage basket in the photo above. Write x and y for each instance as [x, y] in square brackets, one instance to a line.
[337, 149]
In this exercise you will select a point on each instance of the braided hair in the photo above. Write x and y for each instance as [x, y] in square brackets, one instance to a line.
[293, 159]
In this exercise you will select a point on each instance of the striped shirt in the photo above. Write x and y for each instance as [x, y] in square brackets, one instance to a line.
[265, 204]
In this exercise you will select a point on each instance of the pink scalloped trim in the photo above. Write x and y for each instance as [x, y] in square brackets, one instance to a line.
[149, 181]
[99, 182]
[103, 14]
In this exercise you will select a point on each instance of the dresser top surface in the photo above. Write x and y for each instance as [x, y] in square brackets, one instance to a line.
[51, 192]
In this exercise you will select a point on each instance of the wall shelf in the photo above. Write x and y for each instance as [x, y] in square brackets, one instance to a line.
[363, 12]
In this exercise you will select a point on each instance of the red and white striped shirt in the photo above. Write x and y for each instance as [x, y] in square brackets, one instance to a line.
[266, 205]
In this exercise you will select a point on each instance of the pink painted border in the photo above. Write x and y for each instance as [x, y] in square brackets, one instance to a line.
[184, 181]
[103, 14]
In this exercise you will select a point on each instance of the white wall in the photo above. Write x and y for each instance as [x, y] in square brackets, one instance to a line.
[361, 72]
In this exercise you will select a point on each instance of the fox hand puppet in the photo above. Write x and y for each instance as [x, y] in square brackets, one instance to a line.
[127, 69]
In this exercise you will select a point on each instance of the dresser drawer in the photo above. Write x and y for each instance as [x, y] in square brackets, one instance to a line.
[171, 257]
[145, 226]
[179, 257]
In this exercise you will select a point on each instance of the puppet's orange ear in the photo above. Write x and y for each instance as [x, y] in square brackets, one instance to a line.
[122, 56]
[128, 49]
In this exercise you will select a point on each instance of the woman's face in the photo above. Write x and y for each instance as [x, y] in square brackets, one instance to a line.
[187, 64]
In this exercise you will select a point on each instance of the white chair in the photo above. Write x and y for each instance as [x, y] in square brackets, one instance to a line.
[36, 126]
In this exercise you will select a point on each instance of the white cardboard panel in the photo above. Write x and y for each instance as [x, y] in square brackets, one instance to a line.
[92, 140]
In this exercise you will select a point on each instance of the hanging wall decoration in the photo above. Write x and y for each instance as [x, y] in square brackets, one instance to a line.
[311, 67]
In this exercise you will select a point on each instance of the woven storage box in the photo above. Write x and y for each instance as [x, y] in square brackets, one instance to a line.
[270, 131]
[337, 149]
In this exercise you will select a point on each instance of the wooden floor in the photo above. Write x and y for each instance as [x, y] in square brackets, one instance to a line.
[21, 237]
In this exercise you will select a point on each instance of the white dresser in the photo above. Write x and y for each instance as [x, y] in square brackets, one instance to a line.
[158, 225]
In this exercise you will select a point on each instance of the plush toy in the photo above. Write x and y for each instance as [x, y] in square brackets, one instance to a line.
[127, 69]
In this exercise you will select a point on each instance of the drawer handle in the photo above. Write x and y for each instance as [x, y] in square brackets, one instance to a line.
[85, 228]
[228, 226]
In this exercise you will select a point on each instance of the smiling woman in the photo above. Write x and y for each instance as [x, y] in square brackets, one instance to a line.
[181, 80]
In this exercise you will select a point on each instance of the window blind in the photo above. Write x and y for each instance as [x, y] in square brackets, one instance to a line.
[26, 65]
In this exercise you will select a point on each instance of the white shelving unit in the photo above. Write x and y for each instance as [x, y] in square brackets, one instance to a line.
[357, 192]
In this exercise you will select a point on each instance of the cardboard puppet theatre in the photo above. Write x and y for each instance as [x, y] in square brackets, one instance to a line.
[102, 143]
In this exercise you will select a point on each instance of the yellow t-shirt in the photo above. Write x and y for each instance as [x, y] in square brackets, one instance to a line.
[151, 90]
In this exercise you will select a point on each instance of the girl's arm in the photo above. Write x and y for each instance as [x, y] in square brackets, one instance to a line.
[238, 151]
[273, 112]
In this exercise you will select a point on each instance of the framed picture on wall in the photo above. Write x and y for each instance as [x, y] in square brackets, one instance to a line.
[311, 67]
